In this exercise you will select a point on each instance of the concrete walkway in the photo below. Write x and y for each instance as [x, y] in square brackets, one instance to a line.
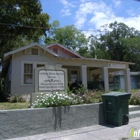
[95, 132]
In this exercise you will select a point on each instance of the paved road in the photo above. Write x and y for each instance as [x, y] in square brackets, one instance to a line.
[95, 132]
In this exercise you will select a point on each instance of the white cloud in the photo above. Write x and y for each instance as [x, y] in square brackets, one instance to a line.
[98, 11]
[67, 5]
[65, 12]
[117, 2]
[84, 1]
[131, 12]
[96, 14]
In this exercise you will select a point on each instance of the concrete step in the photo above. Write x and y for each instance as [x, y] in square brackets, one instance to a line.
[134, 114]
[134, 108]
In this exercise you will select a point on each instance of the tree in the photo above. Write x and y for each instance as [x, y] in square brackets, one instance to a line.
[120, 42]
[21, 21]
[111, 39]
[95, 49]
[132, 51]
[68, 36]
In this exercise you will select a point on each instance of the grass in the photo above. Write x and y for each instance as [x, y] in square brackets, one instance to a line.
[134, 90]
[8, 105]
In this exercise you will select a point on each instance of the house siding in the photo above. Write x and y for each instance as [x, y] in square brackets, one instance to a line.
[16, 83]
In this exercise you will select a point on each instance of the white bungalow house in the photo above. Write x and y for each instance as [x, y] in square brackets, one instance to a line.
[19, 67]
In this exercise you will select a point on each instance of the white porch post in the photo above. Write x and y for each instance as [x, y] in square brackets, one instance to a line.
[58, 65]
[84, 75]
[105, 78]
[127, 79]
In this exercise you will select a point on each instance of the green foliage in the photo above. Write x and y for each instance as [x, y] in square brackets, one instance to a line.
[20, 22]
[131, 51]
[96, 50]
[80, 91]
[121, 90]
[16, 98]
[69, 36]
[57, 99]
[52, 100]
[8, 105]
[119, 42]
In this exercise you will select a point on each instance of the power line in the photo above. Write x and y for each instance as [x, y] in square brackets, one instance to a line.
[22, 26]
[8, 24]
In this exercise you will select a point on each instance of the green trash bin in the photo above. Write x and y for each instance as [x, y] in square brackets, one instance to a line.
[115, 107]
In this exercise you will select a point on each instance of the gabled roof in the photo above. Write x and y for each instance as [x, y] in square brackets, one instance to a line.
[7, 55]
[48, 46]
[29, 46]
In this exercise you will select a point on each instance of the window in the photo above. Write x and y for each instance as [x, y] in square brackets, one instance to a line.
[40, 65]
[34, 51]
[55, 50]
[28, 74]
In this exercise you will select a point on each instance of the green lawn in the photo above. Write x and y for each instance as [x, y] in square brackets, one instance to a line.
[8, 106]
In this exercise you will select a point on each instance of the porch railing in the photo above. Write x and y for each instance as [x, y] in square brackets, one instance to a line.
[93, 85]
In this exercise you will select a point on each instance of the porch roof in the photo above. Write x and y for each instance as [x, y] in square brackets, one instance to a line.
[97, 60]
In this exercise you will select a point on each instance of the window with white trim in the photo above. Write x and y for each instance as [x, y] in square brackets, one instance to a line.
[28, 74]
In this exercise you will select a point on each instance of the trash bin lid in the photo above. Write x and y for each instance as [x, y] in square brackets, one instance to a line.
[116, 94]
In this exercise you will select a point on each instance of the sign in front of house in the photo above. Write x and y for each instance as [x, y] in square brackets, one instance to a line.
[115, 65]
[51, 80]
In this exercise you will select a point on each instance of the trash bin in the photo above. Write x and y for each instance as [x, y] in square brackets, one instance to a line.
[115, 107]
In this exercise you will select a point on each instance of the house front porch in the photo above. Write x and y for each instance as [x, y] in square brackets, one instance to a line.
[99, 78]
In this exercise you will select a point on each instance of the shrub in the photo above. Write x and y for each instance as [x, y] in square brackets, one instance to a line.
[135, 98]
[57, 99]
[16, 98]
[12, 99]
[52, 100]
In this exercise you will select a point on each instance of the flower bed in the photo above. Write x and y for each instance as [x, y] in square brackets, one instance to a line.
[56, 99]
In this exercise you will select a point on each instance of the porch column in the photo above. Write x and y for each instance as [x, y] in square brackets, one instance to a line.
[127, 79]
[105, 78]
[58, 65]
[84, 75]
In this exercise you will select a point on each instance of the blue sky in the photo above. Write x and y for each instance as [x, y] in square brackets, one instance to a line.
[90, 15]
